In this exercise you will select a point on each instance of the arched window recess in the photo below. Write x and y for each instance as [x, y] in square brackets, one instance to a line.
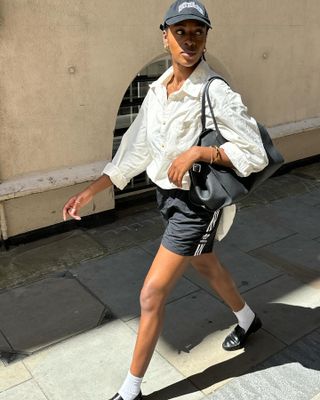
[128, 111]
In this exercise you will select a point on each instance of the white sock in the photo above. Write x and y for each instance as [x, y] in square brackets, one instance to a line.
[130, 387]
[245, 317]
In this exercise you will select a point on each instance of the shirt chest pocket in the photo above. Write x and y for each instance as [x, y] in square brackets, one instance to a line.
[188, 133]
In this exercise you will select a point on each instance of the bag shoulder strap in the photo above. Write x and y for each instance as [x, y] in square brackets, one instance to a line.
[206, 96]
[272, 152]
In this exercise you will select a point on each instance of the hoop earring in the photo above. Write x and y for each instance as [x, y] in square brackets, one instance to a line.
[166, 47]
[204, 54]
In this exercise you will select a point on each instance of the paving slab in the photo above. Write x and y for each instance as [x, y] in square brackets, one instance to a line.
[279, 187]
[47, 311]
[311, 171]
[34, 260]
[293, 373]
[5, 259]
[93, 366]
[129, 234]
[13, 375]
[26, 391]
[4, 345]
[289, 309]
[163, 383]
[88, 366]
[298, 216]
[311, 199]
[247, 271]
[255, 228]
[296, 255]
[151, 246]
[117, 280]
[194, 329]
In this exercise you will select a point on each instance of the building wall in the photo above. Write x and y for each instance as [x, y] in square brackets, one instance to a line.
[65, 66]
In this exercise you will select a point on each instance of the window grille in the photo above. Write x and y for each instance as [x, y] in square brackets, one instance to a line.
[128, 111]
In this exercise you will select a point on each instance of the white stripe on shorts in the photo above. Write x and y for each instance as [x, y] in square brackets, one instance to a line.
[204, 239]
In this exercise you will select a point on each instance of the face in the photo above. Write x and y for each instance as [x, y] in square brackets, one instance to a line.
[186, 41]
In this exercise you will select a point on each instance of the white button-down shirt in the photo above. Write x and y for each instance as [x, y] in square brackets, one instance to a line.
[166, 126]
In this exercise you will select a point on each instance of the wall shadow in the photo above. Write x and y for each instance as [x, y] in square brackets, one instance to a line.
[305, 351]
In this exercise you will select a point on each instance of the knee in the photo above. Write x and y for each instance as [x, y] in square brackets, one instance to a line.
[152, 298]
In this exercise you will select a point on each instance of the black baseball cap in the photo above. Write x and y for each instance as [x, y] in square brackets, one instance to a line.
[181, 10]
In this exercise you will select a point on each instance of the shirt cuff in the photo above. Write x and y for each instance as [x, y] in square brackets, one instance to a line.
[237, 158]
[116, 176]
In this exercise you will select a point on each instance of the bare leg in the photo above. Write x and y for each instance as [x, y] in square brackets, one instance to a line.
[165, 270]
[219, 279]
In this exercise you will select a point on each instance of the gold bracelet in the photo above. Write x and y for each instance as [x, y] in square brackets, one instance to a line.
[211, 159]
[218, 154]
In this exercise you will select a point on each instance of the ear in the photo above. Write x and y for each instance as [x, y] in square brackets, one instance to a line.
[165, 38]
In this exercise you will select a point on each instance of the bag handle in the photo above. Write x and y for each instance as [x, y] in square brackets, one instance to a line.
[205, 95]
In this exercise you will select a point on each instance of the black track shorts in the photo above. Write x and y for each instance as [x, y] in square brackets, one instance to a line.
[189, 229]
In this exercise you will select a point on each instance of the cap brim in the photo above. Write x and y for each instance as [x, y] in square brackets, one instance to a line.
[183, 17]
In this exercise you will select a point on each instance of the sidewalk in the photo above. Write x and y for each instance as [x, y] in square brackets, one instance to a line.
[91, 276]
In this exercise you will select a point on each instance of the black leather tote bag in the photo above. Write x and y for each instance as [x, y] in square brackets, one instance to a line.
[214, 186]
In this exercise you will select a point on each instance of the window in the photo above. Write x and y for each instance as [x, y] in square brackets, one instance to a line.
[128, 110]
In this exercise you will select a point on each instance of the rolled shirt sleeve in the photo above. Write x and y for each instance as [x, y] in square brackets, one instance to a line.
[244, 146]
[133, 155]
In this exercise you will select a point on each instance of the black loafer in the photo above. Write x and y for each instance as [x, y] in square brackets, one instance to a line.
[118, 397]
[238, 337]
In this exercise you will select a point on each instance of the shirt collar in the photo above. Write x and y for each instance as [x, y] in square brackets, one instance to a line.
[193, 85]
